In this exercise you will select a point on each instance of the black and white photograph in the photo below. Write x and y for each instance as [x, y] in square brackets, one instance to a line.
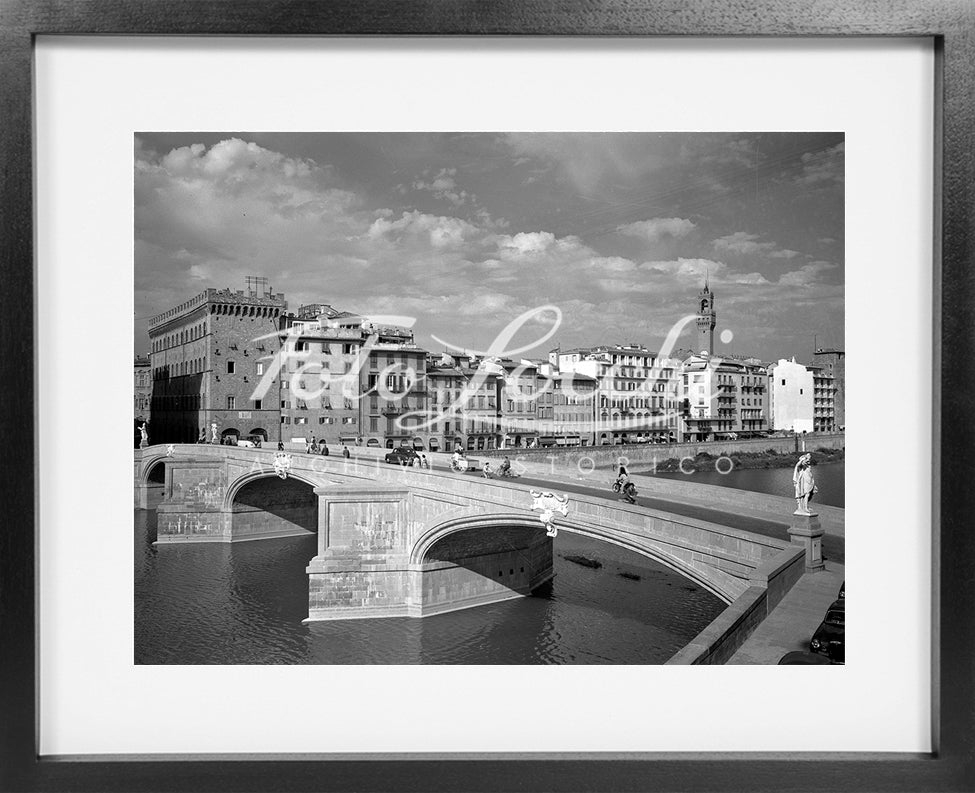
[481, 398]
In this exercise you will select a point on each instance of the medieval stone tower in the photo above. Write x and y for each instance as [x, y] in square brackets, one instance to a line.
[706, 319]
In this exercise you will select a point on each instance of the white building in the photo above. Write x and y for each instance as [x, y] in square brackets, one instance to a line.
[723, 398]
[792, 390]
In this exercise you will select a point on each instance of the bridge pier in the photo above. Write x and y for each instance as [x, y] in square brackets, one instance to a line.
[148, 494]
[362, 565]
[192, 507]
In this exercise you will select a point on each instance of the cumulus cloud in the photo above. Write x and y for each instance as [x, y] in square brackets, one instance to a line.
[533, 246]
[657, 228]
[442, 232]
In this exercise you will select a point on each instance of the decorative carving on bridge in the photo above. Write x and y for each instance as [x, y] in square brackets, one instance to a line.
[171, 450]
[549, 504]
[282, 464]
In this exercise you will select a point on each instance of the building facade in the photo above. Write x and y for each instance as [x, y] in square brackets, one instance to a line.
[637, 392]
[824, 399]
[142, 403]
[792, 396]
[833, 361]
[724, 397]
[318, 378]
[567, 410]
[445, 383]
[207, 356]
[393, 407]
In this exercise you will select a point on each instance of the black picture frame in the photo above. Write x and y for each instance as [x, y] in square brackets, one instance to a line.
[950, 24]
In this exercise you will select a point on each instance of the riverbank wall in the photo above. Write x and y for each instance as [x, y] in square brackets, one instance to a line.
[645, 455]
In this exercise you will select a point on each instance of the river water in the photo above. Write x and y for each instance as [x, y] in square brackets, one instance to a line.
[830, 479]
[244, 604]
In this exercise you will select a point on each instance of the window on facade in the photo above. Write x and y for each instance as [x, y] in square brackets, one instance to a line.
[373, 424]
[783, 382]
[301, 420]
[257, 404]
[260, 368]
[230, 367]
[231, 402]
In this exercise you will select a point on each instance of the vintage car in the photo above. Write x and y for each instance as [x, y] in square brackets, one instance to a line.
[830, 637]
[402, 455]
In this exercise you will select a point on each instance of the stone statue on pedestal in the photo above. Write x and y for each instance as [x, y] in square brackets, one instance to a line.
[805, 485]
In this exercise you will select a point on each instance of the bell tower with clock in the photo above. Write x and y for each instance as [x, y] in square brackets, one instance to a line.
[706, 319]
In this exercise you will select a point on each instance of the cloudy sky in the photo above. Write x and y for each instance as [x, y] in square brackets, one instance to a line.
[466, 231]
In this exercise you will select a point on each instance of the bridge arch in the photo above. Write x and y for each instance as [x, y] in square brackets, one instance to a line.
[268, 506]
[233, 488]
[147, 466]
[430, 537]
[156, 473]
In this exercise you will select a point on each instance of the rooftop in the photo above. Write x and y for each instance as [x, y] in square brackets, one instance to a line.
[222, 296]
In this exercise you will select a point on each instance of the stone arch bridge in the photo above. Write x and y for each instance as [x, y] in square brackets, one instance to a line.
[397, 541]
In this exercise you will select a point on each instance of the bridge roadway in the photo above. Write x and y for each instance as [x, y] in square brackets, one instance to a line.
[396, 541]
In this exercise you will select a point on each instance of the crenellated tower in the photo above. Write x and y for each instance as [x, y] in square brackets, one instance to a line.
[706, 319]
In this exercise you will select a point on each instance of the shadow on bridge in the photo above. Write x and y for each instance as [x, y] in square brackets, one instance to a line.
[274, 507]
[472, 566]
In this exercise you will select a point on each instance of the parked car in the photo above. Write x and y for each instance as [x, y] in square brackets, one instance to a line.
[247, 444]
[802, 658]
[842, 592]
[402, 456]
[830, 637]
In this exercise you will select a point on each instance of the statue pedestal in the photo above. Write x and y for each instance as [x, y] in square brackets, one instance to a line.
[807, 531]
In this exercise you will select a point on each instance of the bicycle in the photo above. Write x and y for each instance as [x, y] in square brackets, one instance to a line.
[628, 491]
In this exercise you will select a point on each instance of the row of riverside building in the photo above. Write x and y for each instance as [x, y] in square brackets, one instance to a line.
[238, 365]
